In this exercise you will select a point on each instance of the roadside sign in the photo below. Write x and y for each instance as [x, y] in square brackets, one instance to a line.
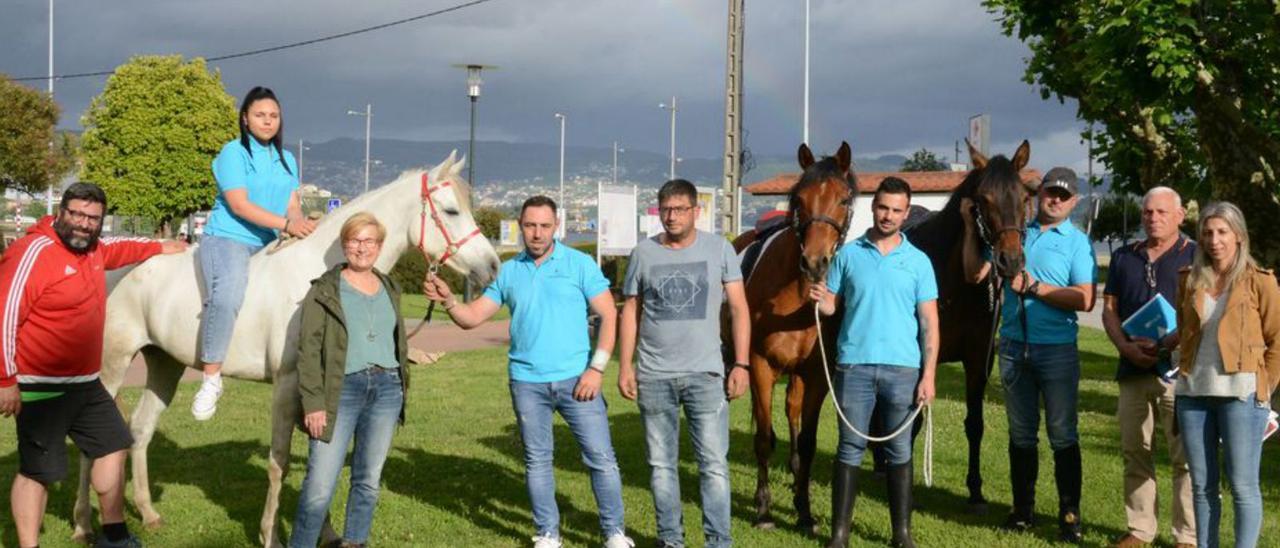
[334, 203]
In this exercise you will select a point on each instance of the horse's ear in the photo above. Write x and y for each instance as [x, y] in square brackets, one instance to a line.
[1022, 156]
[805, 156]
[975, 157]
[457, 167]
[447, 165]
[844, 157]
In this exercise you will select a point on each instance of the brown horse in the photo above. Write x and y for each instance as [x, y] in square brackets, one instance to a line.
[999, 201]
[783, 336]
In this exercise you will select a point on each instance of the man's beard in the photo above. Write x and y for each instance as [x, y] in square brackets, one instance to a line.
[74, 242]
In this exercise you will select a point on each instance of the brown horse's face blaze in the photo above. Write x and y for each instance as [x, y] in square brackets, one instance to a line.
[1004, 214]
[822, 216]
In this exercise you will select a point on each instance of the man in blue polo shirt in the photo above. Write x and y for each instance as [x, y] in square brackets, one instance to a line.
[888, 350]
[1138, 273]
[1038, 354]
[548, 288]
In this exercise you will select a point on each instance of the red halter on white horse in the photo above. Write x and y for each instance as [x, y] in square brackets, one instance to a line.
[451, 246]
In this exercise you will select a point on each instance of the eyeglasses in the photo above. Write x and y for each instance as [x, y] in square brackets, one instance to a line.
[83, 217]
[368, 243]
[678, 210]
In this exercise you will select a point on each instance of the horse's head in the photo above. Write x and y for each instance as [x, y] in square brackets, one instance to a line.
[443, 228]
[1000, 200]
[821, 208]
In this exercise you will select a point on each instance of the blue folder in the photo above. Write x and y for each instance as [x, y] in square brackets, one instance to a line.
[1154, 321]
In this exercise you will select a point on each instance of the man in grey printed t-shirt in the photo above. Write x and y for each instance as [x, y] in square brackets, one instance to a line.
[681, 277]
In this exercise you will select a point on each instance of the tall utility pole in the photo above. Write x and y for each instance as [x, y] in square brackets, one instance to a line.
[730, 219]
[473, 91]
[805, 137]
[48, 207]
[616, 150]
[368, 125]
[672, 108]
[301, 147]
[561, 117]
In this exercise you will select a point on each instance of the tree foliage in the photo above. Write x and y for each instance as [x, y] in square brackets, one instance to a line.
[1119, 218]
[152, 134]
[1182, 93]
[924, 160]
[27, 121]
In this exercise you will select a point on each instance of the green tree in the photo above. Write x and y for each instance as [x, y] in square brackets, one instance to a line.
[1181, 93]
[151, 135]
[488, 220]
[1119, 218]
[27, 121]
[924, 160]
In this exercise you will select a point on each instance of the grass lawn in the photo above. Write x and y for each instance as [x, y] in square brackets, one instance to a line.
[414, 307]
[455, 474]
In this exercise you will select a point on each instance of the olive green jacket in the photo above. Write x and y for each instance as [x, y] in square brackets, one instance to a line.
[322, 347]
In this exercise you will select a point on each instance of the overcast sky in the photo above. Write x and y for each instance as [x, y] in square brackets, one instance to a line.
[887, 76]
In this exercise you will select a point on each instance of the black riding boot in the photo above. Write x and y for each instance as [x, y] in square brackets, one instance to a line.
[844, 491]
[900, 505]
[1068, 475]
[1024, 467]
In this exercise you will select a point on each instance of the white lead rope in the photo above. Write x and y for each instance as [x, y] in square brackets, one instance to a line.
[906, 424]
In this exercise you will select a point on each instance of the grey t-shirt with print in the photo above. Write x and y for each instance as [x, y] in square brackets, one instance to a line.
[681, 291]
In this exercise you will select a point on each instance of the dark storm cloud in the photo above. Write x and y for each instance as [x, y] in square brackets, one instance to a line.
[887, 76]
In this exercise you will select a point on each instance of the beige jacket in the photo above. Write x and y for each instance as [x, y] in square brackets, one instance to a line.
[1248, 334]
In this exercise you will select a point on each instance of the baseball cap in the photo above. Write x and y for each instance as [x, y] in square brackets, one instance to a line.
[1061, 177]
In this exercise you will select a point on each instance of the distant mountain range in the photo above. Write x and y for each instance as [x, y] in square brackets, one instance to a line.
[338, 165]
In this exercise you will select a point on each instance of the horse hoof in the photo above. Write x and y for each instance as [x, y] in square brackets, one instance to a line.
[765, 524]
[153, 525]
[809, 526]
[81, 536]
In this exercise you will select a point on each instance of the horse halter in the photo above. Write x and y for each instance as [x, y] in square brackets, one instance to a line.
[451, 246]
[985, 233]
[801, 227]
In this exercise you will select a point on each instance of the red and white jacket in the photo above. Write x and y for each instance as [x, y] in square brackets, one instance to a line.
[54, 305]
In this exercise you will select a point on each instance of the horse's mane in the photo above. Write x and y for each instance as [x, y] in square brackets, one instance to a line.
[822, 170]
[942, 231]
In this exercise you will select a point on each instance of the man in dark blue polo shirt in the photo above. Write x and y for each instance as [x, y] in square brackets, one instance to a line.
[1138, 273]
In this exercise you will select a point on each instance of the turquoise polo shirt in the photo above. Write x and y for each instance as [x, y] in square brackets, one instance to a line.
[880, 294]
[266, 182]
[548, 306]
[1060, 256]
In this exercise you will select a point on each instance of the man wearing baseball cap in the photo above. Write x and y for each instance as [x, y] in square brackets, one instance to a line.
[1039, 360]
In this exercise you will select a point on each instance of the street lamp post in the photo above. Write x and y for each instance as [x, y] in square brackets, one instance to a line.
[473, 92]
[672, 108]
[561, 117]
[48, 209]
[616, 150]
[301, 147]
[368, 125]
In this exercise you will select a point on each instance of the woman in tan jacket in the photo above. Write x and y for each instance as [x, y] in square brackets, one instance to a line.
[1229, 346]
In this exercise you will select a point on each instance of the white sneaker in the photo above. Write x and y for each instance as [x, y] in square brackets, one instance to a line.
[619, 540]
[205, 403]
[546, 541]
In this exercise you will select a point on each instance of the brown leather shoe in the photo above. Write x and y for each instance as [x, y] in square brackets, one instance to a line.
[1130, 541]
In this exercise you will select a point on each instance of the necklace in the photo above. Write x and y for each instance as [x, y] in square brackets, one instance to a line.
[368, 302]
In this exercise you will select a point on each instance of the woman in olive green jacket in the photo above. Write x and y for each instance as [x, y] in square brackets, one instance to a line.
[351, 380]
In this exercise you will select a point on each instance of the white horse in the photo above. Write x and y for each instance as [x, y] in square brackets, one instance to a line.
[155, 308]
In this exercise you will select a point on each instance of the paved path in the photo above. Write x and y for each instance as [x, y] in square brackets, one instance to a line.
[440, 337]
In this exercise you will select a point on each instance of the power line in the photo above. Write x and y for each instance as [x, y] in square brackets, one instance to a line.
[283, 46]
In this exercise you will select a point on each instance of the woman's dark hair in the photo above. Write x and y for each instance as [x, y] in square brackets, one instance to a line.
[256, 94]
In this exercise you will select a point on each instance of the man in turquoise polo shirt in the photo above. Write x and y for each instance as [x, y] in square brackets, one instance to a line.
[887, 352]
[1038, 354]
[548, 288]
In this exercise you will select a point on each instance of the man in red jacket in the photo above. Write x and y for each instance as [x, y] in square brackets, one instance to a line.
[53, 299]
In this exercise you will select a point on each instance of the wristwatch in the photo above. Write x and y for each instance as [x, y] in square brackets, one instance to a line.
[1033, 288]
[746, 366]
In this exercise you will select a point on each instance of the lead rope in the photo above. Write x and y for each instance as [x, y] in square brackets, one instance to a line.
[906, 424]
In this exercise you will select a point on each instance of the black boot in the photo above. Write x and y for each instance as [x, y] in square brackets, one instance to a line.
[900, 505]
[1067, 474]
[1024, 467]
[844, 491]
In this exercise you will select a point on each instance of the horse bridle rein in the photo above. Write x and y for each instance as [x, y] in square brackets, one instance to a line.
[451, 246]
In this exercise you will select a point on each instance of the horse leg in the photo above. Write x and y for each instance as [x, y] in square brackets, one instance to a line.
[762, 378]
[814, 393]
[284, 409]
[975, 386]
[83, 514]
[163, 374]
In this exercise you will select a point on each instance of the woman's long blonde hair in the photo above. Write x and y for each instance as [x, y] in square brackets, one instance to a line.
[1202, 274]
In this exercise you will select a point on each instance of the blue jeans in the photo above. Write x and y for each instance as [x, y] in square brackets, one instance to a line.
[707, 410]
[859, 389]
[1051, 371]
[1238, 425]
[368, 410]
[224, 266]
[535, 403]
